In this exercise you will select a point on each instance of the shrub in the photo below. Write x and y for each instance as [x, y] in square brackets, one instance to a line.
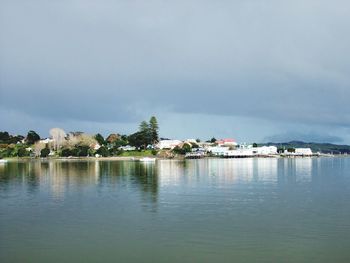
[21, 152]
[103, 151]
[65, 152]
[44, 152]
[186, 148]
[82, 151]
[120, 152]
[291, 150]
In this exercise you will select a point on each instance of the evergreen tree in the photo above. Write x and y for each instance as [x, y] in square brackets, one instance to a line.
[32, 137]
[99, 138]
[153, 126]
[145, 132]
[144, 127]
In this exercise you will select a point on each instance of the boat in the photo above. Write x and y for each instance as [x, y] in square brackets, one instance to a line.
[3, 161]
[147, 159]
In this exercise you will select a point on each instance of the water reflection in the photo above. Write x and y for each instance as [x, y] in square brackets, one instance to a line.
[57, 177]
[222, 171]
[208, 210]
[293, 171]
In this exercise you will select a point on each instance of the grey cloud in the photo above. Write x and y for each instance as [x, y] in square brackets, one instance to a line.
[118, 61]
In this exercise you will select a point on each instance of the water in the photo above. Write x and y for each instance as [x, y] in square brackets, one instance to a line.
[213, 210]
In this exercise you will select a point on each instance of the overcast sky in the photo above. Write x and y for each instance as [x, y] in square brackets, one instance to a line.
[254, 70]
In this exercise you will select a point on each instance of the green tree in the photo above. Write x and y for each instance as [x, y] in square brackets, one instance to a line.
[145, 132]
[182, 150]
[138, 139]
[103, 151]
[19, 151]
[16, 138]
[66, 152]
[186, 148]
[178, 150]
[83, 150]
[144, 127]
[154, 128]
[32, 137]
[291, 150]
[255, 145]
[99, 138]
[74, 151]
[213, 140]
[45, 152]
[4, 137]
[22, 152]
[77, 151]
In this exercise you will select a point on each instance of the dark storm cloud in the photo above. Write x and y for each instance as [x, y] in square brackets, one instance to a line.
[115, 61]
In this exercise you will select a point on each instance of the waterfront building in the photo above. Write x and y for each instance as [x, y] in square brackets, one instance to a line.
[227, 142]
[239, 153]
[127, 148]
[299, 152]
[218, 150]
[303, 151]
[168, 144]
[264, 150]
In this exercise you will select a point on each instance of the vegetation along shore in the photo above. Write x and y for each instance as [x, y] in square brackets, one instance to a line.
[146, 143]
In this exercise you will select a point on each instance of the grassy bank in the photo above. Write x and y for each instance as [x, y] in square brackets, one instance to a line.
[144, 153]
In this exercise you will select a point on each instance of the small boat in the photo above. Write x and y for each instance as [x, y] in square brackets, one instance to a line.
[147, 159]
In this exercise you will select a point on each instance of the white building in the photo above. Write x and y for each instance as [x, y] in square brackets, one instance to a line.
[303, 151]
[264, 150]
[299, 152]
[46, 141]
[218, 150]
[191, 141]
[168, 144]
[251, 151]
[127, 148]
[239, 153]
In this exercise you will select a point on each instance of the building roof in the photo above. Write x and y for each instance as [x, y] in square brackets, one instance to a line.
[228, 140]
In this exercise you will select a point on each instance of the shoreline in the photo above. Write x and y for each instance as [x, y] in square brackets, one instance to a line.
[137, 158]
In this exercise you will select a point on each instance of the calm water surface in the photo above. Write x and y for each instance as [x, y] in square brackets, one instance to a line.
[213, 210]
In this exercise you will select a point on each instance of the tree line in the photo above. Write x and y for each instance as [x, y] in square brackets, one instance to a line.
[78, 143]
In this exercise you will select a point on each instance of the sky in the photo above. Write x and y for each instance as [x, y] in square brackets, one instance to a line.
[253, 70]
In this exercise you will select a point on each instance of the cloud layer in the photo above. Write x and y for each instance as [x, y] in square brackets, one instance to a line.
[284, 63]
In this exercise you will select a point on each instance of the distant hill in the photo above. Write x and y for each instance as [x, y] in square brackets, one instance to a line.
[315, 147]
